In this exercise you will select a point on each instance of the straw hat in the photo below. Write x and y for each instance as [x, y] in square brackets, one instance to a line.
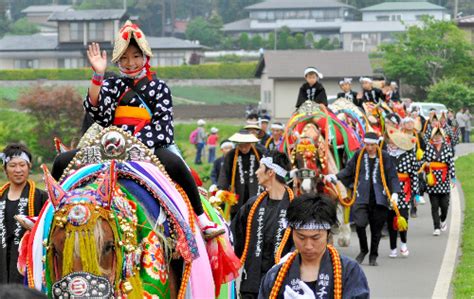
[402, 140]
[418, 124]
[127, 32]
[252, 127]
[243, 136]
[437, 130]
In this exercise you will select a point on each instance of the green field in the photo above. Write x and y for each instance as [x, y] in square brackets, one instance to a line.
[464, 278]
[210, 95]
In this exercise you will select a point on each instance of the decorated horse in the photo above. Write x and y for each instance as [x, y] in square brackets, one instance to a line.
[117, 226]
[318, 144]
[352, 115]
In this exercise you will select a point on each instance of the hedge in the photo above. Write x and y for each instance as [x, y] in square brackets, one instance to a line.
[202, 71]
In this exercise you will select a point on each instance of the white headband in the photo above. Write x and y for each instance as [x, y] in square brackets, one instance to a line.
[277, 126]
[313, 70]
[310, 225]
[226, 144]
[268, 162]
[6, 159]
[365, 79]
[370, 141]
[346, 80]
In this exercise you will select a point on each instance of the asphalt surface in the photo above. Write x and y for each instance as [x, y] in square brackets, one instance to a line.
[417, 275]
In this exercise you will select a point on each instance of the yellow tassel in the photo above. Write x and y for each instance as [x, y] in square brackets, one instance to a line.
[430, 179]
[347, 214]
[419, 154]
[402, 224]
[68, 253]
[137, 287]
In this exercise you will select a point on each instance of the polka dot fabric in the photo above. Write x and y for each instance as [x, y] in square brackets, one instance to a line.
[157, 97]
[407, 163]
[445, 155]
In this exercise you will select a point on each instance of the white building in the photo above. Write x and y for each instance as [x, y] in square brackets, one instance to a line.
[367, 36]
[404, 11]
[281, 74]
[323, 18]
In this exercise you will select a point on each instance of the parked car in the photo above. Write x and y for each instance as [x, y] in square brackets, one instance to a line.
[425, 108]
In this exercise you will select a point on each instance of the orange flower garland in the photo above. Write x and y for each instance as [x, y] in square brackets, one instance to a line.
[336, 268]
[248, 230]
[31, 196]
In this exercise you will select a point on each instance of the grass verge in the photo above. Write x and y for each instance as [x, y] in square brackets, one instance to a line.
[464, 278]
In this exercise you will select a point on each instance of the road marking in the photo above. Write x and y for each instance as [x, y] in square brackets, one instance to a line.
[448, 264]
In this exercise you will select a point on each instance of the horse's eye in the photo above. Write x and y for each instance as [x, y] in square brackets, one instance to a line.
[109, 247]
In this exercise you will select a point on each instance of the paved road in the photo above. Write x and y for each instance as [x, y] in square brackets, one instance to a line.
[415, 276]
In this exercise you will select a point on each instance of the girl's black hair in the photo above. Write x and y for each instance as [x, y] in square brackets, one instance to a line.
[15, 149]
[133, 42]
[310, 207]
[280, 159]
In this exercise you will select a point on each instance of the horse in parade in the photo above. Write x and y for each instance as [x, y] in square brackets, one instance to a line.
[116, 225]
[318, 143]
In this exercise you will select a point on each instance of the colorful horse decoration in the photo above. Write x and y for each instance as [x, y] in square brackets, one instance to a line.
[117, 226]
[318, 143]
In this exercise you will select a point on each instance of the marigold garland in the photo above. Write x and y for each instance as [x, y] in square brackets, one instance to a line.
[336, 268]
[248, 229]
[31, 196]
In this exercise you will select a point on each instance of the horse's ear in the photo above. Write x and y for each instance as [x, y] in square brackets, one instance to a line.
[55, 192]
[106, 186]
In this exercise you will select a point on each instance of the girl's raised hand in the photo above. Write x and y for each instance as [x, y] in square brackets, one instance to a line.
[97, 59]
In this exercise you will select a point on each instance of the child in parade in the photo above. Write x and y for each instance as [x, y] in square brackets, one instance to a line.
[312, 89]
[439, 165]
[400, 147]
[348, 93]
[141, 104]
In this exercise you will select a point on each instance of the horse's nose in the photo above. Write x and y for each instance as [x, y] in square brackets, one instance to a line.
[77, 265]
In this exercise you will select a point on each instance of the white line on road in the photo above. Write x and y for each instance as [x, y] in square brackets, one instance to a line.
[448, 265]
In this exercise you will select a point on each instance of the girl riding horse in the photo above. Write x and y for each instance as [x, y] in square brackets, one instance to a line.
[141, 104]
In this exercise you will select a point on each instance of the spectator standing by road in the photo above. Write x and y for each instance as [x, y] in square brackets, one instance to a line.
[212, 141]
[200, 141]
[467, 119]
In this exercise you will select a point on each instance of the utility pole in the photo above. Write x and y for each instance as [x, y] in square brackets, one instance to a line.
[456, 8]
[125, 5]
[275, 39]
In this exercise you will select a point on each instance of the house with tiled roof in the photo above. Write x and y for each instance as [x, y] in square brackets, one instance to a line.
[281, 75]
[467, 25]
[76, 29]
[323, 18]
[381, 22]
[404, 11]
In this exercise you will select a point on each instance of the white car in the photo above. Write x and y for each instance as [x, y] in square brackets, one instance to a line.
[425, 108]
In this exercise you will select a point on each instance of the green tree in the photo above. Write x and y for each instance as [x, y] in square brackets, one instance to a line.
[203, 31]
[244, 41]
[452, 93]
[300, 41]
[309, 40]
[282, 41]
[270, 42]
[256, 42]
[424, 55]
[23, 27]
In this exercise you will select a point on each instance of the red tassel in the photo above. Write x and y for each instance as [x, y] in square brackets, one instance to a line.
[125, 35]
[138, 35]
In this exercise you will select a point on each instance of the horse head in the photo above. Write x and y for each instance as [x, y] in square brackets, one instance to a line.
[93, 248]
